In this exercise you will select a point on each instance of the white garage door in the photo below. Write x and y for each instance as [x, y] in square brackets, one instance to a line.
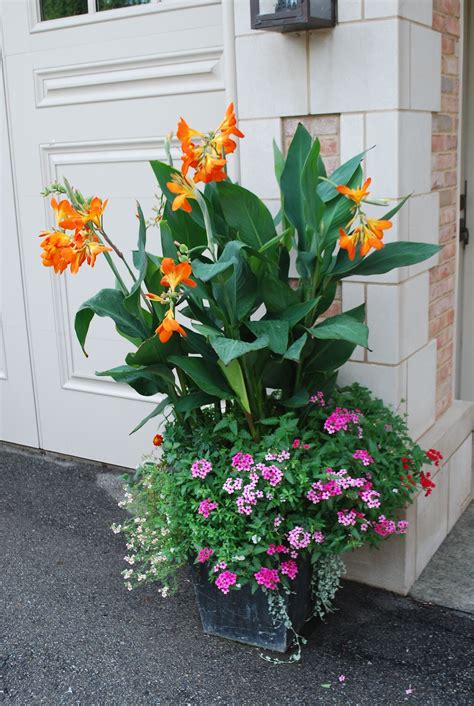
[91, 96]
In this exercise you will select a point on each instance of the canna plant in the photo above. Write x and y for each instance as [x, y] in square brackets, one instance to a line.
[219, 317]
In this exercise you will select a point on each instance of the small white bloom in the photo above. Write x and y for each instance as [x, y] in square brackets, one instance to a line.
[129, 586]
[395, 490]
[256, 539]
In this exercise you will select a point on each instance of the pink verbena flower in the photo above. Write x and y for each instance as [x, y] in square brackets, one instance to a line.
[277, 521]
[206, 507]
[318, 537]
[384, 527]
[289, 568]
[371, 497]
[232, 484]
[402, 526]
[318, 398]
[363, 456]
[242, 462]
[298, 537]
[347, 517]
[296, 443]
[201, 468]
[204, 554]
[267, 577]
[341, 419]
[225, 580]
[272, 474]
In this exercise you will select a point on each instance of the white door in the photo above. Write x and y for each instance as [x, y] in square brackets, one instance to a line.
[92, 97]
[17, 406]
[465, 378]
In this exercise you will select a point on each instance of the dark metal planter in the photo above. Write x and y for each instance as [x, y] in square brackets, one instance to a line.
[245, 617]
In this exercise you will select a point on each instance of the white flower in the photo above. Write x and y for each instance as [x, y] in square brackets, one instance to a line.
[129, 559]
[164, 591]
[141, 577]
[129, 586]
[116, 528]
[256, 539]
[127, 573]
[395, 490]
[164, 531]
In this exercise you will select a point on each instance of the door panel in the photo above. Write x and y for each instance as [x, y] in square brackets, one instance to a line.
[17, 407]
[97, 100]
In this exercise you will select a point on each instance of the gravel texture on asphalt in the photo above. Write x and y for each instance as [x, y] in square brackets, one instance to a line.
[72, 634]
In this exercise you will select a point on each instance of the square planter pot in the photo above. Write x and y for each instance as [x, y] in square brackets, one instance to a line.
[245, 617]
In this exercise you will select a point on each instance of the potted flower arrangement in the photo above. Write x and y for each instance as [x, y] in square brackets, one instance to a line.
[268, 470]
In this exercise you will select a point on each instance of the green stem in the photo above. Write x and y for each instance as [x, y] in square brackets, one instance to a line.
[116, 273]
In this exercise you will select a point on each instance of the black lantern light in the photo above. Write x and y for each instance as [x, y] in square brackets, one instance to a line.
[292, 15]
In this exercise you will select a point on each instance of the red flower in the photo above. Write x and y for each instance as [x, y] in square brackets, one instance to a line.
[435, 456]
[426, 482]
[406, 463]
[158, 440]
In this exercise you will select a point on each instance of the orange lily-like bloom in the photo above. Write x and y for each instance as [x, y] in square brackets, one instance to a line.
[168, 326]
[94, 211]
[356, 195]
[176, 274]
[61, 251]
[66, 215]
[205, 153]
[184, 190]
[369, 235]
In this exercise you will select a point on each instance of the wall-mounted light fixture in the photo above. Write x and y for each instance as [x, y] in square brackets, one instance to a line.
[292, 15]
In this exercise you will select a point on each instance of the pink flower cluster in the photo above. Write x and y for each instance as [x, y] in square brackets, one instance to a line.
[204, 554]
[340, 420]
[201, 468]
[267, 577]
[371, 497]
[225, 580]
[281, 456]
[277, 549]
[289, 568]
[298, 537]
[297, 444]
[318, 398]
[242, 462]
[272, 474]
[363, 456]
[348, 517]
[338, 481]
[220, 566]
[206, 507]
[248, 499]
[318, 537]
[232, 484]
[384, 527]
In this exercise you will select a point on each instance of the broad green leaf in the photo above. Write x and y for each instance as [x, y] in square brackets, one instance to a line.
[205, 272]
[237, 294]
[277, 295]
[276, 332]
[195, 400]
[154, 351]
[207, 330]
[145, 380]
[299, 311]
[342, 327]
[132, 301]
[206, 376]
[393, 255]
[235, 378]
[305, 261]
[278, 160]
[331, 354]
[290, 182]
[195, 343]
[294, 351]
[168, 248]
[341, 175]
[110, 303]
[299, 399]
[247, 214]
[158, 410]
[313, 205]
[229, 348]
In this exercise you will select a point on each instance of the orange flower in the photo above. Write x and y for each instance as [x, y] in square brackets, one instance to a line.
[365, 236]
[94, 211]
[60, 251]
[174, 275]
[157, 440]
[184, 191]
[168, 326]
[378, 227]
[206, 153]
[356, 195]
[66, 215]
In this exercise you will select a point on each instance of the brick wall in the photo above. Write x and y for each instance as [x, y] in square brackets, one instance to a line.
[327, 129]
[446, 20]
